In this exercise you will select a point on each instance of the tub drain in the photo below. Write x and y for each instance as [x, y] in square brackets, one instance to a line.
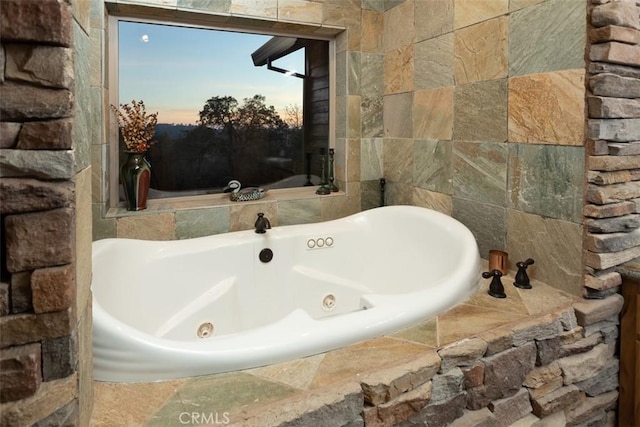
[328, 302]
[205, 330]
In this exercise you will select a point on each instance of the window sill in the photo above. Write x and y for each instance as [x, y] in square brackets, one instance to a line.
[155, 206]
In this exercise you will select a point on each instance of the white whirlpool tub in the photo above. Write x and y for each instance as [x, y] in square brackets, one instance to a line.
[172, 309]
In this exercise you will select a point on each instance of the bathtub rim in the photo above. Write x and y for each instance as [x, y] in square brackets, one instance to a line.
[412, 313]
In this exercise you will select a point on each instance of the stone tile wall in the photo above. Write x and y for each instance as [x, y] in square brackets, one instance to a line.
[484, 120]
[613, 162]
[45, 273]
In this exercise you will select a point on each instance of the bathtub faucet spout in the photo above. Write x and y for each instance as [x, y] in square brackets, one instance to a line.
[262, 224]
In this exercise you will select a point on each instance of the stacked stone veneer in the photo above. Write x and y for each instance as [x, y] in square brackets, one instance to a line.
[45, 320]
[613, 194]
[555, 369]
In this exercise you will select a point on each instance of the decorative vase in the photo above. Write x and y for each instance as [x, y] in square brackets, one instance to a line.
[135, 174]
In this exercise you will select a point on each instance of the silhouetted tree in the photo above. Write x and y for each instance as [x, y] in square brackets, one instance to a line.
[249, 129]
[294, 115]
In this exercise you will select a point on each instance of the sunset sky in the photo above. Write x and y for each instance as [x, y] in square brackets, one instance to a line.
[174, 70]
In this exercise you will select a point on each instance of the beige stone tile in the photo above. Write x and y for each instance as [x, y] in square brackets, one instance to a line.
[543, 298]
[161, 226]
[371, 158]
[345, 15]
[353, 116]
[513, 304]
[334, 207]
[468, 12]
[372, 31]
[299, 211]
[547, 108]
[401, 16]
[298, 373]
[398, 70]
[300, 11]
[555, 245]
[243, 215]
[50, 396]
[521, 4]
[434, 62]
[368, 356]
[433, 113]
[433, 18]
[398, 159]
[480, 111]
[425, 333]
[261, 8]
[466, 320]
[398, 115]
[432, 200]
[398, 193]
[119, 404]
[481, 51]
[352, 161]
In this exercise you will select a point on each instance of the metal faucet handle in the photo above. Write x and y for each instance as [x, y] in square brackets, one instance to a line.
[526, 263]
[492, 273]
[522, 278]
[496, 289]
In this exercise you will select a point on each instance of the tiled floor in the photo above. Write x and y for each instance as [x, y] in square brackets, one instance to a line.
[237, 395]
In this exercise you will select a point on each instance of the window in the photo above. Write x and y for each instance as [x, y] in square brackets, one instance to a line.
[231, 105]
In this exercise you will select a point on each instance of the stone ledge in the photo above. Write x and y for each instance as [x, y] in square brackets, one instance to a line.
[40, 164]
[609, 210]
[385, 385]
[623, 14]
[589, 312]
[461, 353]
[614, 33]
[612, 108]
[49, 398]
[25, 328]
[20, 372]
[626, 149]
[400, 408]
[19, 195]
[584, 412]
[604, 194]
[603, 179]
[613, 85]
[21, 102]
[603, 261]
[41, 22]
[39, 239]
[616, 130]
[582, 366]
[612, 242]
[616, 224]
[616, 53]
[603, 280]
[342, 403]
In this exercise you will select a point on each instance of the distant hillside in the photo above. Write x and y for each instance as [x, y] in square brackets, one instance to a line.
[173, 131]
